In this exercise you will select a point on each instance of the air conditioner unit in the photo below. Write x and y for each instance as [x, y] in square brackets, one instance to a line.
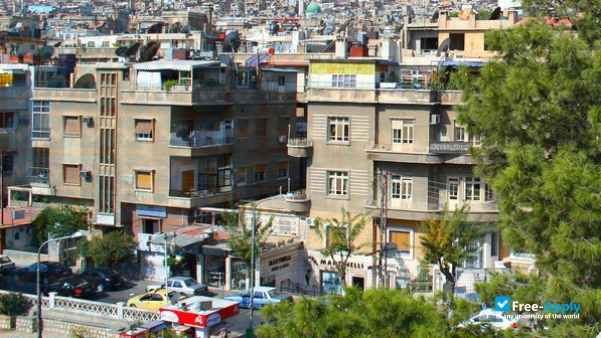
[434, 119]
[89, 121]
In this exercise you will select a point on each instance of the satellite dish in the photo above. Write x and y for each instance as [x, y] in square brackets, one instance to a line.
[156, 28]
[121, 51]
[86, 81]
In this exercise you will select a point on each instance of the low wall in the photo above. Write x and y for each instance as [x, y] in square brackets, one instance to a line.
[24, 258]
[69, 329]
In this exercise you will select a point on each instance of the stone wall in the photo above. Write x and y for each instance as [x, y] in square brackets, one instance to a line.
[7, 322]
[25, 324]
[52, 326]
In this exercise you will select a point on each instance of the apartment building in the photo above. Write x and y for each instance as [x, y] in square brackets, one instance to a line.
[143, 146]
[15, 92]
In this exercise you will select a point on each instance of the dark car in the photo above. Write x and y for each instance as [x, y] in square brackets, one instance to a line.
[48, 270]
[105, 279]
[72, 286]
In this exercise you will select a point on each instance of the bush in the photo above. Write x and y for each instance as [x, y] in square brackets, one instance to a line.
[13, 304]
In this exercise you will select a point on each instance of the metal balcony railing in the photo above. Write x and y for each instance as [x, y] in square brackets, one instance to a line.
[38, 175]
[299, 142]
[197, 139]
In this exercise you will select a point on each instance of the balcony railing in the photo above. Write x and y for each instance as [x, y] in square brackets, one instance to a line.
[299, 142]
[198, 139]
[201, 193]
[38, 175]
[450, 147]
[296, 196]
[40, 133]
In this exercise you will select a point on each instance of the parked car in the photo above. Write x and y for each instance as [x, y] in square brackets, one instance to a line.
[48, 271]
[263, 295]
[105, 279]
[491, 318]
[186, 285]
[6, 264]
[72, 286]
[153, 300]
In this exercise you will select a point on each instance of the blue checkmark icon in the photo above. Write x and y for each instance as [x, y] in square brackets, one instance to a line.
[503, 303]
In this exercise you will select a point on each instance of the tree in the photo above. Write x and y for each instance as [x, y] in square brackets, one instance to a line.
[58, 222]
[109, 250]
[240, 236]
[448, 243]
[340, 239]
[373, 313]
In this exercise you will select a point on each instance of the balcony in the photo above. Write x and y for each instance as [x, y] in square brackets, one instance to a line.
[38, 176]
[388, 93]
[65, 94]
[299, 147]
[450, 147]
[8, 139]
[451, 97]
[386, 153]
[200, 143]
[178, 96]
[407, 96]
[297, 201]
[199, 198]
[14, 98]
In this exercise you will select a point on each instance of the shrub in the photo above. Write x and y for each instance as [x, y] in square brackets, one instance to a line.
[13, 304]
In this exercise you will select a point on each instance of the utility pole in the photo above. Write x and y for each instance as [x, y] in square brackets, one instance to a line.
[249, 331]
[382, 259]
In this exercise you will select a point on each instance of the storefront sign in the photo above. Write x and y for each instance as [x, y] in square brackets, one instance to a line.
[198, 319]
[151, 211]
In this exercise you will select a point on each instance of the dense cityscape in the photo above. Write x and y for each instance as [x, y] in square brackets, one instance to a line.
[271, 168]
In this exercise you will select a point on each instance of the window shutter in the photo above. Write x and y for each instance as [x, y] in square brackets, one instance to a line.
[144, 180]
[143, 127]
[71, 174]
[401, 239]
[72, 126]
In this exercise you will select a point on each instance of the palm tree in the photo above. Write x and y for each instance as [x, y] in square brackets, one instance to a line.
[340, 235]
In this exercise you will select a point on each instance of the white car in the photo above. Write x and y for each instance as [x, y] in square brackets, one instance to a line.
[6, 264]
[185, 285]
[492, 318]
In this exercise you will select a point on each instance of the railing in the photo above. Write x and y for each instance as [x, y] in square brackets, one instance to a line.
[79, 306]
[299, 195]
[201, 193]
[40, 134]
[299, 142]
[38, 175]
[199, 139]
[450, 147]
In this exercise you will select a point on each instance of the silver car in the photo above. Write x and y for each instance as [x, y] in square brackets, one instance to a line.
[186, 285]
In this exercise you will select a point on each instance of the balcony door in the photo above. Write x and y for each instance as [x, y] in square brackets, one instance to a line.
[187, 181]
[403, 136]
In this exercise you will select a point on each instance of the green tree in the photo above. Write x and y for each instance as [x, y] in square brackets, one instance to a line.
[373, 313]
[109, 250]
[447, 242]
[240, 236]
[57, 222]
[340, 237]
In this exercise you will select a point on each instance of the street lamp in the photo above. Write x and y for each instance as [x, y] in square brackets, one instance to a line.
[76, 234]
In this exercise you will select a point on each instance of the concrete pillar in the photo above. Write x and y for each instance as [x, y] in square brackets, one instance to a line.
[51, 300]
[200, 269]
[227, 283]
[120, 306]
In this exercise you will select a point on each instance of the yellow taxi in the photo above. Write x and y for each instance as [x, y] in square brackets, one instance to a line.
[152, 300]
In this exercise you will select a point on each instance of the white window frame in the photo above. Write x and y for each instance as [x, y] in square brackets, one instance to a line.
[40, 109]
[344, 81]
[345, 124]
[472, 182]
[489, 194]
[456, 182]
[411, 232]
[406, 134]
[401, 188]
[333, 176]
[459, 133]
[477, 256]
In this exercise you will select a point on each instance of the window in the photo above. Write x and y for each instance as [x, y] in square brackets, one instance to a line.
[338, 183]
[403, 131]
[402, 187]
[243, 127]
[338, 129]
[281, 81]
[344, 80]
[475, 259]
[242, 176]
[472, 188]
[40, 127]
[71, 174]
[283, 123]
[459, 133]
[8, 164]
[494, 244]
[72, 126]
[144, 130]
[261, 127]
[7, 120]
[144, 180]
[402, 240]
[453, 188]
[260, 172]
[282, 169]
[457, 41]
[489, 195]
